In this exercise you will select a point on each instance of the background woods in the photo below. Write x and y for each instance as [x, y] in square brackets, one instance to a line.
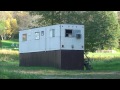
[101, 27]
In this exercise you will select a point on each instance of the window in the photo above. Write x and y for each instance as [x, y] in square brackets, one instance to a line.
[24, 37]
[42, 33]
[37, 35]
[68, 33]
[78, 36]
[52, 33]
[76, 33]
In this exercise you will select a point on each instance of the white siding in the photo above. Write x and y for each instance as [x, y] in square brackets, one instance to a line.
[53, 43]
[23, 45]
[34, 44]
[47, 42]
[68, 42]
[42, 40]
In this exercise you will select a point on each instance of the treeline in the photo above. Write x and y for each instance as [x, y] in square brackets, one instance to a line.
[13, 21]
[102, 29]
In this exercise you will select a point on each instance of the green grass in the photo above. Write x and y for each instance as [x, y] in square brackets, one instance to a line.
[11, 70]
[102, 69]
[103, 56]
[7, 44]
[105, 61]
[8, 55]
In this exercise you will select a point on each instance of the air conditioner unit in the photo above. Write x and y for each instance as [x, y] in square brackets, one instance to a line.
[78, 36]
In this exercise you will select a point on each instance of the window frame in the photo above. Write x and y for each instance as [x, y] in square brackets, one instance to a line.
[24, 37]
[42, 33]
[52, 33]
[68, 34]
[37, 36]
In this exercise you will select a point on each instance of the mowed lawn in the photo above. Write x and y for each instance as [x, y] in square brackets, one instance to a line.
[10, 44]
[108, 68]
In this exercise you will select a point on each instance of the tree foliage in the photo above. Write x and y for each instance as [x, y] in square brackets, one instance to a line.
[57, 17]
[101, 30]
[101, 27]
[23, 19]
[10, 24]
[2, 27]
[11, 27]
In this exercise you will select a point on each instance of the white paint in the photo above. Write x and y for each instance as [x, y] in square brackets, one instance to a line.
[47, 42]
[68, 42]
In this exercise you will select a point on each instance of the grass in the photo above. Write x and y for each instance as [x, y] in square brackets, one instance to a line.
[102, 68]
[100, 56]
[8, 44]
[105, 61]
[11, 70]
[8, 55]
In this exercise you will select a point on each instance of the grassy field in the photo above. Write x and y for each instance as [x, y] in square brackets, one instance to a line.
[10, 44]
[105, 66]
[108, 68]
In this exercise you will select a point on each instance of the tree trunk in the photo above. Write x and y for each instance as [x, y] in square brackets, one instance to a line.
[0, 43]
[2, 37]
[12, 36]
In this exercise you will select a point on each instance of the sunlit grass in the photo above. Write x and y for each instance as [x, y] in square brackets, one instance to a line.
[6, 55]
[8, 44]
[10, 41]
[103, 56]
[10, 52]
[105, 61]
[11, 70]
[102, 68]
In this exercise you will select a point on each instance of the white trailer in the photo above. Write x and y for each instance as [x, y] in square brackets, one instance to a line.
[59, 45]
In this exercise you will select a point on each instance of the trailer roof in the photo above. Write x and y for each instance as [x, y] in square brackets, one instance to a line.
[48, 26]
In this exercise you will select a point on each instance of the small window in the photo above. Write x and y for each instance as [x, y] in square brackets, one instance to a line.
[78, 36]
[76, 33]
[37, 35]
[24, 37]
[52, 33]
[42, 33]
[68, 33]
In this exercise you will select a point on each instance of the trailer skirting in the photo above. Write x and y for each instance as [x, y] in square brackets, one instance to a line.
[63, 59]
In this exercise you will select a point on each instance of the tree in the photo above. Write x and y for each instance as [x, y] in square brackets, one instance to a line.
[8, 28]
[23, 19]
[10, 24]
[2, 29]
[101, 30]
[57, 17]
[101, 27]
[14, 26]
[118, 16]
[2, 23]
[47, 17]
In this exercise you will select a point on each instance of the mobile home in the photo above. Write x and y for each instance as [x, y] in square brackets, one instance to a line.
[60, 46]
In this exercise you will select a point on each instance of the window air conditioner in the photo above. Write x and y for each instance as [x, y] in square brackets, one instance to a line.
[78, 36]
